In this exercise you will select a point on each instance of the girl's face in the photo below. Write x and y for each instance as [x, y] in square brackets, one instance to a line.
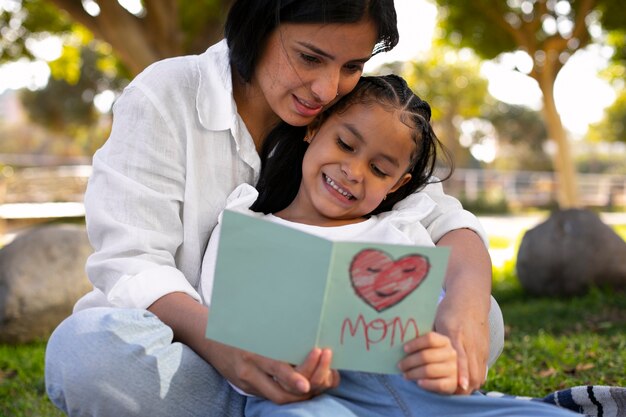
[305, 66]
[354, 160]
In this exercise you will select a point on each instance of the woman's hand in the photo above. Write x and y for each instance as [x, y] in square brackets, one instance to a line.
[316, 368]
[469, 335]
[277, 381]
[431, 361]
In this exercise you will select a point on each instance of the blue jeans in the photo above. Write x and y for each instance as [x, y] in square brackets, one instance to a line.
[374, 395]
[122, 362]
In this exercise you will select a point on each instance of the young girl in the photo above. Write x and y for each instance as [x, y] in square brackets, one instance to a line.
[362, 157]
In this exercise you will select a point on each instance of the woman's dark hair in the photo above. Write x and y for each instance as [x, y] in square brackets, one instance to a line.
[250, 22]
[284, 147]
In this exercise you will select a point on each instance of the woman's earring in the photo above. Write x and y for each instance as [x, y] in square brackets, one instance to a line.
[337, 94]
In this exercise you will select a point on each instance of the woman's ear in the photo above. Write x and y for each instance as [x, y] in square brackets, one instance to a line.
[403, 180]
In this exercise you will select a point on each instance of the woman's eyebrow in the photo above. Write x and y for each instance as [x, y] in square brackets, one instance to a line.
[325, 54]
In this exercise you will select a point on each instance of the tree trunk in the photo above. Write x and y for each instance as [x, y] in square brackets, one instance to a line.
[567, 192]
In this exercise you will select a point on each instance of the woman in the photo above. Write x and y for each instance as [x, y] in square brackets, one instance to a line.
[186, 132]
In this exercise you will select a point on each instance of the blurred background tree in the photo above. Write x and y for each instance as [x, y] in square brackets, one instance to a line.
[102, 45]
[139, 35]
[450, 80]
[549, 32]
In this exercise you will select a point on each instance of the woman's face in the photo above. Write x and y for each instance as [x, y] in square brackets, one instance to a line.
[305, 66]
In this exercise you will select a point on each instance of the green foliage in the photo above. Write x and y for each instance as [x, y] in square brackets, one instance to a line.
[491, 28]
[66, 104]
[451, 82]
[34, 19]
[612, 127]
[468, 24]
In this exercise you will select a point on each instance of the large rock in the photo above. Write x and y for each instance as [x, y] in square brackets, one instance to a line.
[42, 274]
[570, 252]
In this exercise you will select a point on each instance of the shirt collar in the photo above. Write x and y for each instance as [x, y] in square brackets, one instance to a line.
[214, 101]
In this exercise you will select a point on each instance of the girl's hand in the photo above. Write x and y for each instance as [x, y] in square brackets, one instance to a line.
[431, 361]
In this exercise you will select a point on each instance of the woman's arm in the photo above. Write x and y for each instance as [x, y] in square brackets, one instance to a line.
[463, 313]
[134, 203]
[256, 375]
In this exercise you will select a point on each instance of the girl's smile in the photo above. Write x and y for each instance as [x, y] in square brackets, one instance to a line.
[337, 189]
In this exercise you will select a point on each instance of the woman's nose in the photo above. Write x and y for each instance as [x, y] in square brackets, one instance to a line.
[326, 87]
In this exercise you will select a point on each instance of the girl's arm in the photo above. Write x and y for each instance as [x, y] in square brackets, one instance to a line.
[431, 362]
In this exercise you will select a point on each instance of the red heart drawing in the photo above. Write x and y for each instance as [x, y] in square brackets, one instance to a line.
[382, 282]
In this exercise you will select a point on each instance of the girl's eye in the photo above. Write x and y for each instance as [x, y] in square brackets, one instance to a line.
[378, 172]
[343, 145]
[309, 59]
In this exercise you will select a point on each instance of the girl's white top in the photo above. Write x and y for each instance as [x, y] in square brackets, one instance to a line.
[400, 226]
[177, 149]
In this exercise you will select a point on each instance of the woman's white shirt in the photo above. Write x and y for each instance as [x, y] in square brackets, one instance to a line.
[177, 149]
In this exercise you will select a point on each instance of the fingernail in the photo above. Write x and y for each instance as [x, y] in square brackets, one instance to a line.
[302, 386]
[464, 383]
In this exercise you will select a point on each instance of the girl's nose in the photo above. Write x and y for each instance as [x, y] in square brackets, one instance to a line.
[353, 170]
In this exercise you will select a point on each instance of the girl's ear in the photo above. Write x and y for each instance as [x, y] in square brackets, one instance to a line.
[310, 134]
[403, 180]
[312, 129]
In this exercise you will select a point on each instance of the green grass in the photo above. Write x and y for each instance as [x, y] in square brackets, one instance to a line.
[550, 344]
[556, 343]
[22, 390]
